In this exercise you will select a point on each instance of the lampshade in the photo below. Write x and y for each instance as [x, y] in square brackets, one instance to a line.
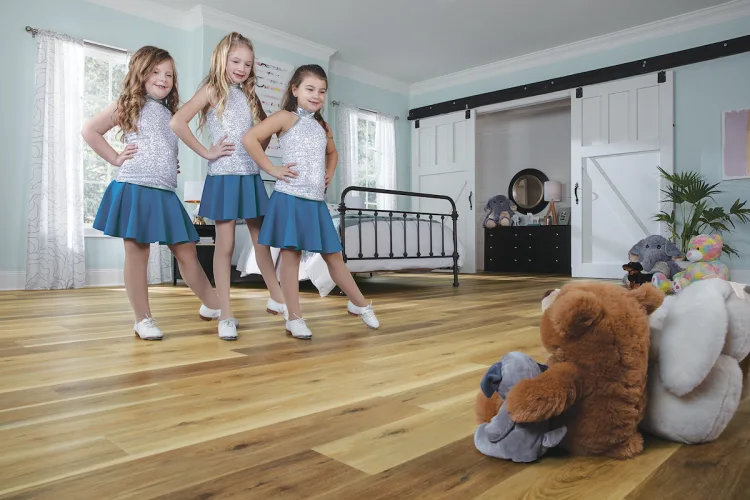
[552, 191]
[193, 191]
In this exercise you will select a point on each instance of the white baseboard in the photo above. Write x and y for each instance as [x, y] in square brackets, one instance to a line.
[12, 280]
[104, 277]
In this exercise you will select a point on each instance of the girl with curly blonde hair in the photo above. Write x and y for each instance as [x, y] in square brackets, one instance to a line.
[227, 103]
[141, 206]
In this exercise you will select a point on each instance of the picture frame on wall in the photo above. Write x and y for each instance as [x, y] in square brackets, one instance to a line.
[735, 145]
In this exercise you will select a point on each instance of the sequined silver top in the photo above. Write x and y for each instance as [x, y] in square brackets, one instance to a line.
[235, 121]
[155, 163]
[304, 144]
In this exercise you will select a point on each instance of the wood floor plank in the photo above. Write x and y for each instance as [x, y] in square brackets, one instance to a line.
[294, 477]
[152, 475]
[454, 471]
[387, 446]
[566, 477]
[89, 411]
[721, 467]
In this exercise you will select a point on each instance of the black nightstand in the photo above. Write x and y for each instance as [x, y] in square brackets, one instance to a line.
[205, 253]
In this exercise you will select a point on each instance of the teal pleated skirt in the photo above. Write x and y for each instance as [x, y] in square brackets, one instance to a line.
[232, 197]
[144, 214]
[298, 224]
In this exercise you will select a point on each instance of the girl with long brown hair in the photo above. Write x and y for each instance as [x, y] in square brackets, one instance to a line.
[141, 206]
[228, 105]
[297, 218]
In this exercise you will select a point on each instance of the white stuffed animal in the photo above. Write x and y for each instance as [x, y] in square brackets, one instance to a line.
[698, 339]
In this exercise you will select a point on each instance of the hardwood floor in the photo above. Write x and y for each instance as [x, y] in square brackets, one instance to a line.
[87, 411]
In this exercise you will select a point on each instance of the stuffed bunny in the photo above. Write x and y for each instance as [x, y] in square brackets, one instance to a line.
[500, 212]
[501, 437]
[698, 339]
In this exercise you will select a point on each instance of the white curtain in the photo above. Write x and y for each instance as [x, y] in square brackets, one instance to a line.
[385, 144]
[55, 255]
[346, 144]
[159, 264]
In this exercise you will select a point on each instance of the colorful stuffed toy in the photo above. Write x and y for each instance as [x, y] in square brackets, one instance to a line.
[503, 438]
[500, 211]
[703, 254]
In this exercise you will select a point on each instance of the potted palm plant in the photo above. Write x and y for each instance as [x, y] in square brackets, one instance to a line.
[695, 211]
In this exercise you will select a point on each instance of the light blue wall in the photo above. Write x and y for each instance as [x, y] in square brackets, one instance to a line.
[82, 19]
[384, 101]
[702, 92]
[192, 52]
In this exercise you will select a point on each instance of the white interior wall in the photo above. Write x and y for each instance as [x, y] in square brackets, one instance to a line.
[536, 136]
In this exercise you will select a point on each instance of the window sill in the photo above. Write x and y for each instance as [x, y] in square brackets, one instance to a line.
[90, 232]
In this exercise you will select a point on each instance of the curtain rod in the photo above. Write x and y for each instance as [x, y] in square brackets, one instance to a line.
[34, 31]
[336, 103]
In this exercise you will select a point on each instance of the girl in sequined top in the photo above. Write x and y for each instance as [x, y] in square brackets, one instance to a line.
[141, 206]
[297, 218]
[228, 105]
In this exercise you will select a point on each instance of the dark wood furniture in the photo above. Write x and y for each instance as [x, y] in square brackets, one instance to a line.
[527, 249]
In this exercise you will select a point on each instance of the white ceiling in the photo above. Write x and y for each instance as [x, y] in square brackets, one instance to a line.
[415, 40]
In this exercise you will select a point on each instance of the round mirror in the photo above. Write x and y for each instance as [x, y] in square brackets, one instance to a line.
[526, 190]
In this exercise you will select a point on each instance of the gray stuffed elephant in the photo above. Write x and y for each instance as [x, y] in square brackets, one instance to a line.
[500, 212]
[656, 254]
[503, 438]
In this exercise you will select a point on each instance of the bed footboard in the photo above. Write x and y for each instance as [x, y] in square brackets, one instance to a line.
[359, 215]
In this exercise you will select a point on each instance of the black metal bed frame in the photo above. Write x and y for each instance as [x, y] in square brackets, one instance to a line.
[343, 209]
[402, 214]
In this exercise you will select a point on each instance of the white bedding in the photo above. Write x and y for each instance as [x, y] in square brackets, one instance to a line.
[313, 266]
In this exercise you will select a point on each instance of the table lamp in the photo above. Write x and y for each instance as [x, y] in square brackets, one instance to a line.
[552, 193]
[192, 194]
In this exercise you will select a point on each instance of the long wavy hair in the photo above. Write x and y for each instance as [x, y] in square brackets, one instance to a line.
[289, 102]
[217, 82]
[133, 95]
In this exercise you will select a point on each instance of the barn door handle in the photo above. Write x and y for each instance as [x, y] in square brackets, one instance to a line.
[575, 191]
[471, 207]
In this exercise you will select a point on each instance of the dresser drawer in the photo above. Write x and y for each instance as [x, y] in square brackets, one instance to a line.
[528, 249]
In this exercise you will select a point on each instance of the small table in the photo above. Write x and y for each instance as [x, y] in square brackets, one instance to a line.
[205, 253]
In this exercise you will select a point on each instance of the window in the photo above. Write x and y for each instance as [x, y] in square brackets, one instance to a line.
[104, 72]
[368, 171]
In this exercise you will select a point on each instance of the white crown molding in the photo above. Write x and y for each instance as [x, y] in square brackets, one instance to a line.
[221, 20]
[149, 10]
[201, 15]
[368, 77]
[679, 24]
[12, 280]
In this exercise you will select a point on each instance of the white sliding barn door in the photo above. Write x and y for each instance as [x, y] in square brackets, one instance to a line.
[442, 162]
[621, 132]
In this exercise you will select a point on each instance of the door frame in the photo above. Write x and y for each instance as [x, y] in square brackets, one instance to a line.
[522, 103]
[666, 159]
[552, 97]
[469, 261]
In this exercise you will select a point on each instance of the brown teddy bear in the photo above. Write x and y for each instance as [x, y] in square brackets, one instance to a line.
[597, 335]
